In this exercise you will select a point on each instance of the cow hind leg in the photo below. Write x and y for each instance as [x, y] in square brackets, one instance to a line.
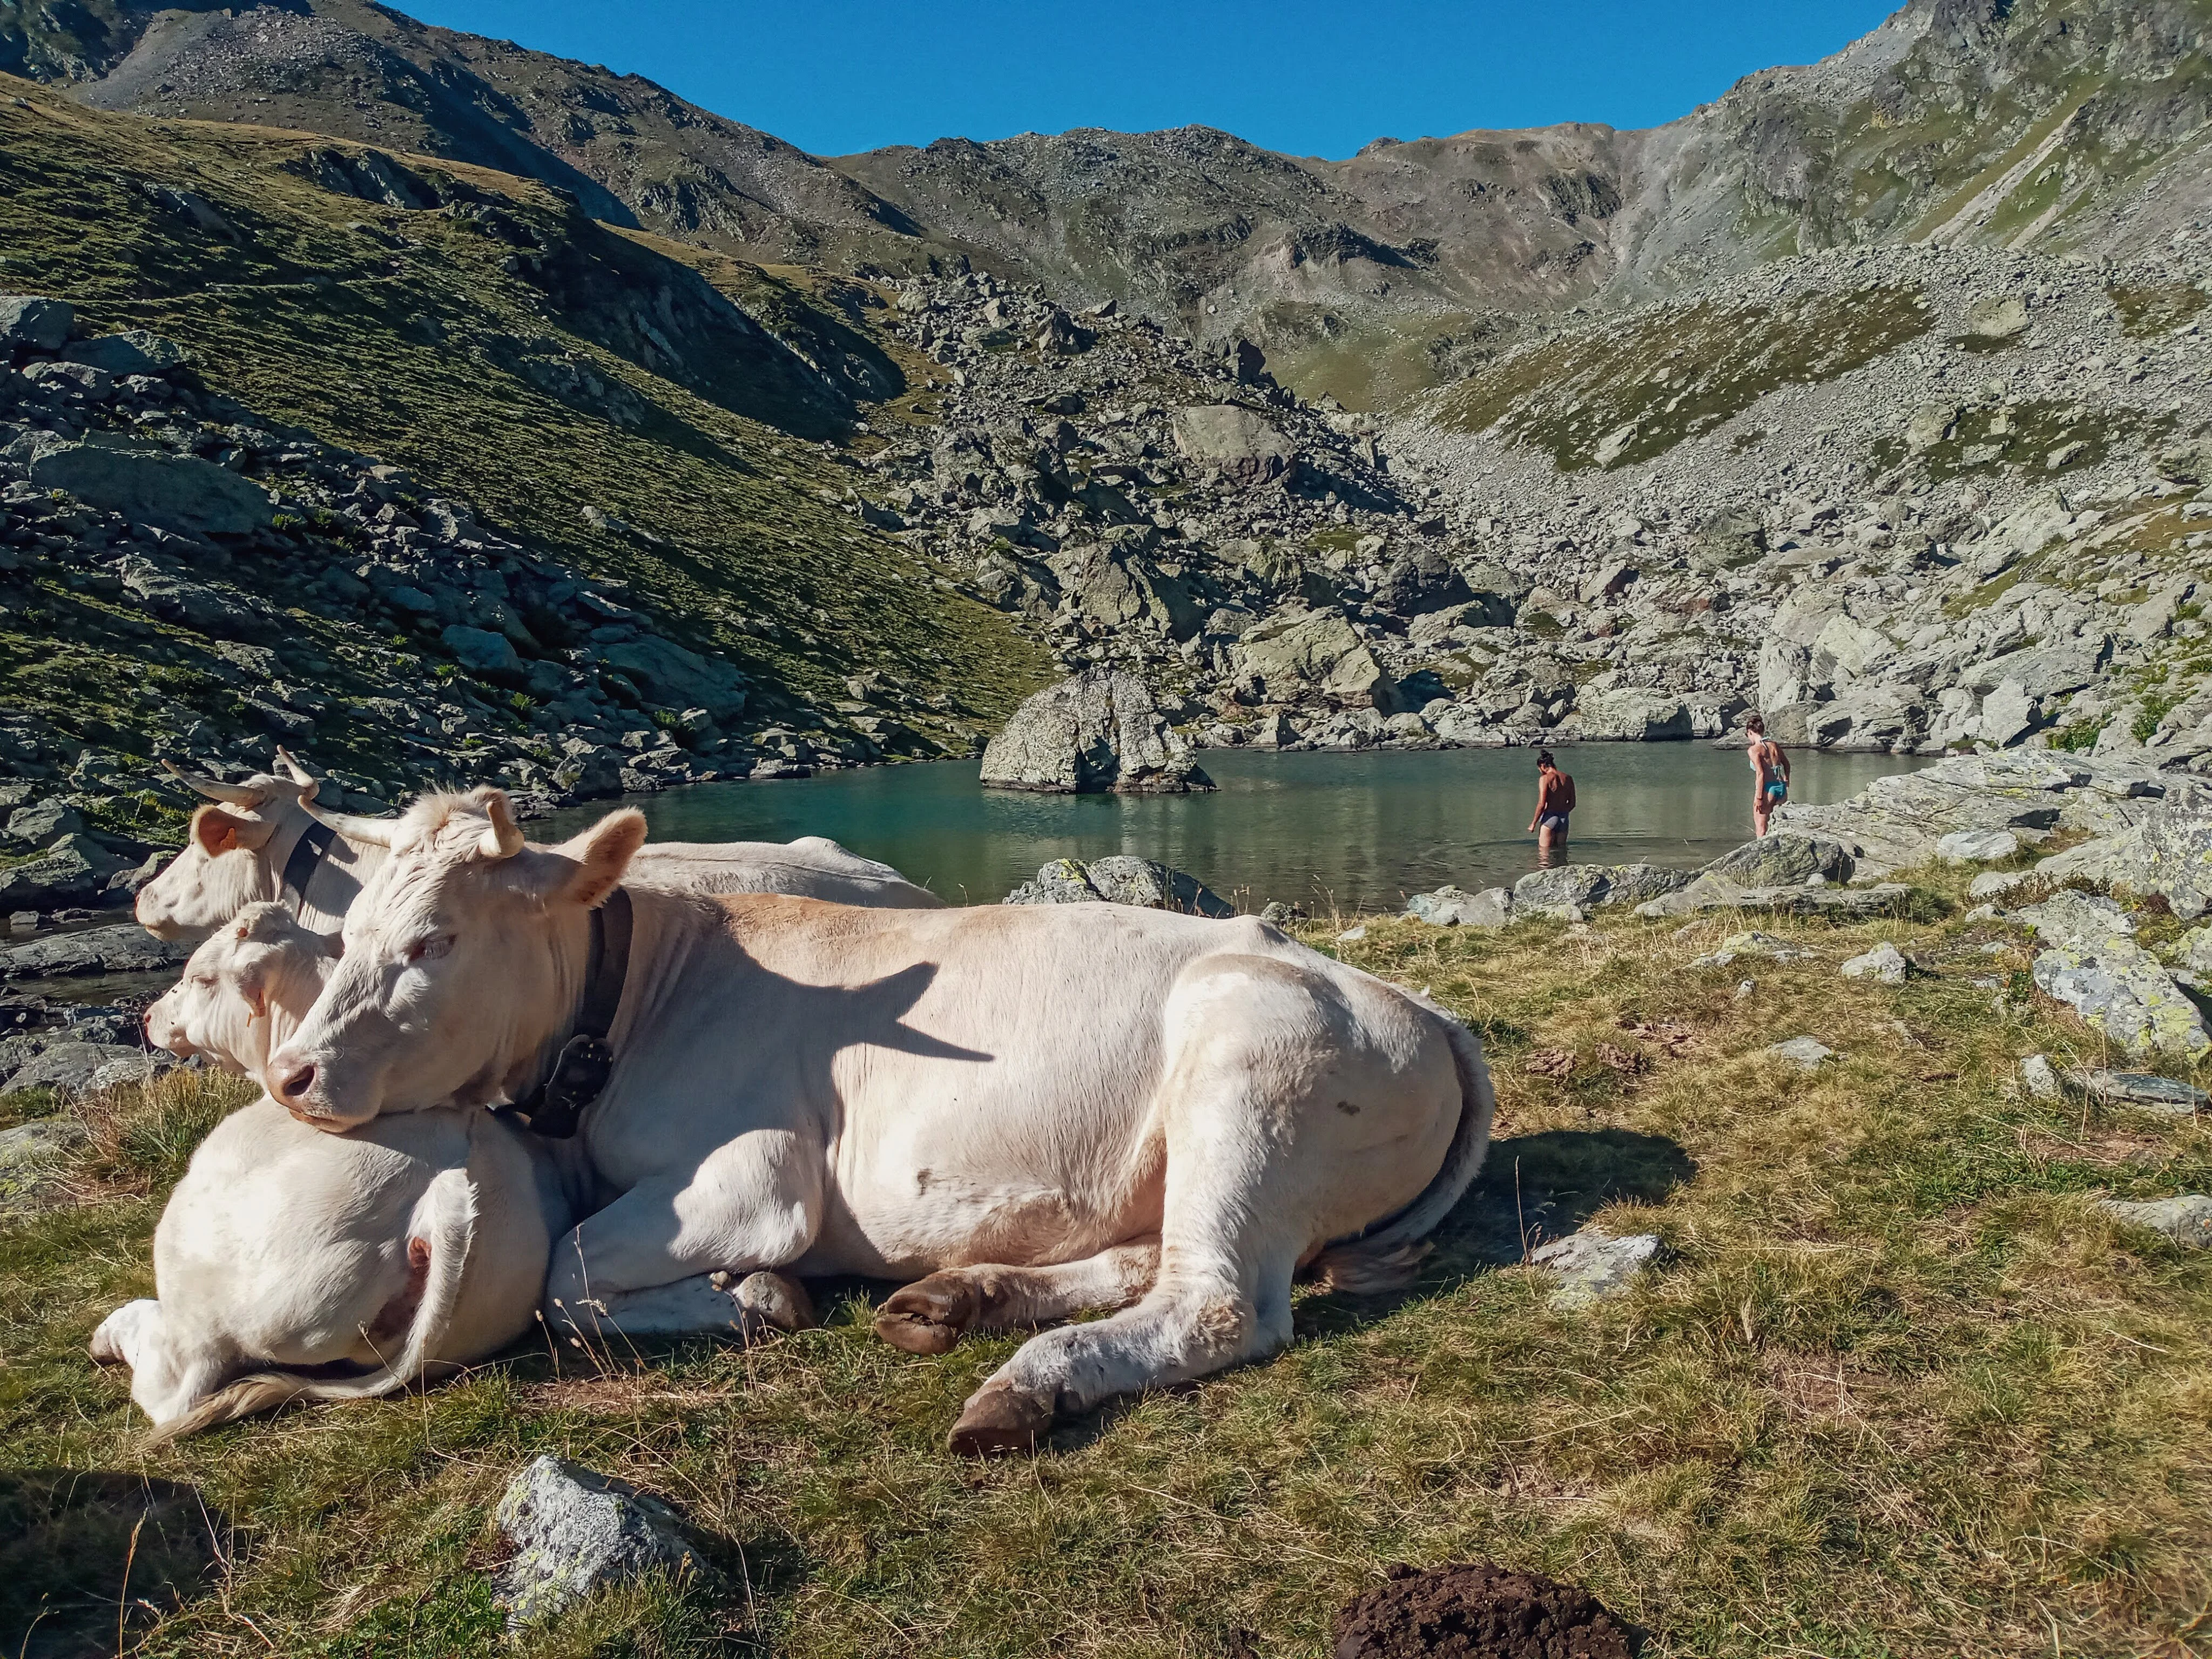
[1230, 1238]
[931, 1314]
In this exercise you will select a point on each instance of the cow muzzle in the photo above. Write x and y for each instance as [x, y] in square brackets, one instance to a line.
[299, 1082]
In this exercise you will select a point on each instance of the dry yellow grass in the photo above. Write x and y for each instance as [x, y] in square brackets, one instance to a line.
[1898, 1388]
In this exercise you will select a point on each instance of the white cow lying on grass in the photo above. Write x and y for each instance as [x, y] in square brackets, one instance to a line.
[240, 846]
[1030, 1110]
[341, 1267]
[244, 990]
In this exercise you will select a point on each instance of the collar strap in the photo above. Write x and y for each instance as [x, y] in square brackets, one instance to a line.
[579, 1073]
[307, 854]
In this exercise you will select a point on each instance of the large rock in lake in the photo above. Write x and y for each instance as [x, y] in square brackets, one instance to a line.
[1235, 442]
[1097, 733]
[155, 487]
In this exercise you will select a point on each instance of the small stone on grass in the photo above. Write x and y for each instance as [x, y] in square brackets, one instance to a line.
[1805, 1053]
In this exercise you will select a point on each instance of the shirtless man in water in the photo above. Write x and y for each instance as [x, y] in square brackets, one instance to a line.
[1555, 799]
[1769, 773]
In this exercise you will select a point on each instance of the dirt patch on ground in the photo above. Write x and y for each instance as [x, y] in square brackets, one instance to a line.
[1478, 1611]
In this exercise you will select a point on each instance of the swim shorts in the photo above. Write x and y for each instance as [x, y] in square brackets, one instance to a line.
[1556, 822]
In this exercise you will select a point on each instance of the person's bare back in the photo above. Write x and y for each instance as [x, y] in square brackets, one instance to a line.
[1555, 801]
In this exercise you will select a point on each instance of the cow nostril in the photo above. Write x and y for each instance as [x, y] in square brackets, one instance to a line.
[295, 1084]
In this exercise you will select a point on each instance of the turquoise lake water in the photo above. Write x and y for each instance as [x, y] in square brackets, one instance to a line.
[1356, 831]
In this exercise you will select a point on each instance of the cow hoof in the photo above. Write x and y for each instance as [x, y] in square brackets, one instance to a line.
[929, 1315]
[781, 1300]
[1000, 1419]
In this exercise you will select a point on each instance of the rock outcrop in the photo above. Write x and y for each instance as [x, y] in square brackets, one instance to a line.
[1088, 735]
[1121, 879]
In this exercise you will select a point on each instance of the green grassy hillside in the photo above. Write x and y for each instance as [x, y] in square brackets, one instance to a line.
[506, 348]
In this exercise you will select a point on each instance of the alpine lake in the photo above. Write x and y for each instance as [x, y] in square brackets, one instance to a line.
[1336, 832]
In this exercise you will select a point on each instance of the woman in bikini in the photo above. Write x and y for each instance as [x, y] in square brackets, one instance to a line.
[1769, 772]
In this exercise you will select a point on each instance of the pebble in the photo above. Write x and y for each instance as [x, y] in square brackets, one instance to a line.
[1805, 1053]
[1884, 964]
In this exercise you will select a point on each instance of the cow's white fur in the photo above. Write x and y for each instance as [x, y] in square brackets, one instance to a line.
[236, 855]
[245, 989]
[904, 1094]
[286, 1254]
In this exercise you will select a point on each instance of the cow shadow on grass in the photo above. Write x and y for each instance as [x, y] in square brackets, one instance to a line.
[87, 1555]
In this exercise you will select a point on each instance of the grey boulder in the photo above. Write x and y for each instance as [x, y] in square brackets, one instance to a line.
[74, 870]
[1884, 964]
[1977, 846]
[32, 320]
[2145, 1090]
[2185, 1220]
[68, 1067]
[1782, 858]
[43, 823]
[1121, 879]
[134, 351]
[155, 487]
[575, 1531]
[31, 1159]
[1634, 716]
[1453, 907]
[1804, 1053]
[484, 652]
[124, 948]
[680, 678]
[1096, 732]
[1244, 449]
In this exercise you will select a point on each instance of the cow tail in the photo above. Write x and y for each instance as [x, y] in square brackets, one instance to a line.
[1387, 1258]
[451, 1206]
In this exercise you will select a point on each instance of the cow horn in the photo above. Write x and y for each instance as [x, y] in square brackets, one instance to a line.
[230, 794]
[291, 769]
[366, 832]
[503, 838]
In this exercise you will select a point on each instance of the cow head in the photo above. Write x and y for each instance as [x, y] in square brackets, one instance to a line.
[290, 1264]
[464, 961]
[226, 864]
[245, 989]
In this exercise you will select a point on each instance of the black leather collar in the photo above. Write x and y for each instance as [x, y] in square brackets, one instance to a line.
[579, 1074]
[307, 854]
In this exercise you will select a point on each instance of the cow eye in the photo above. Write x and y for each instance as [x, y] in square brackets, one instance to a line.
[429, 948]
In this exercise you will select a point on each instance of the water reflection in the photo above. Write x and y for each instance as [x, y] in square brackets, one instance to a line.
[1348, 831]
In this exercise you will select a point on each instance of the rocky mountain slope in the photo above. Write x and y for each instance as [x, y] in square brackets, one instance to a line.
[522, 496]
[2044, 124]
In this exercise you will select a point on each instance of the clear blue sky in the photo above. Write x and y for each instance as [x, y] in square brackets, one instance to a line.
[1312, 78]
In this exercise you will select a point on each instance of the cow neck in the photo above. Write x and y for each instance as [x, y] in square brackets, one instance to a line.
[581, 1068]
[306, 856]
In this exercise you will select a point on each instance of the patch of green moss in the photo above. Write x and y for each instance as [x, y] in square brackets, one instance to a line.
[2151, 308]
[1631, 394]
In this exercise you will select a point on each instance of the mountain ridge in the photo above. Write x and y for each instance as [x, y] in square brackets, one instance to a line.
[1406, 265]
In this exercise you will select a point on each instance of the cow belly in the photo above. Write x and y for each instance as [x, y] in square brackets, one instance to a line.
[918, 1209]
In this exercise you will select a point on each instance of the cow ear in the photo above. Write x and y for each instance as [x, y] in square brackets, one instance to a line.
[600, 856]
[253, 985]
[218, 831]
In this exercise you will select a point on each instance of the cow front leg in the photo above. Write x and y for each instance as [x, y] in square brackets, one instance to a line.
[706, 1304]
[753, 1204]
[931, 1315]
